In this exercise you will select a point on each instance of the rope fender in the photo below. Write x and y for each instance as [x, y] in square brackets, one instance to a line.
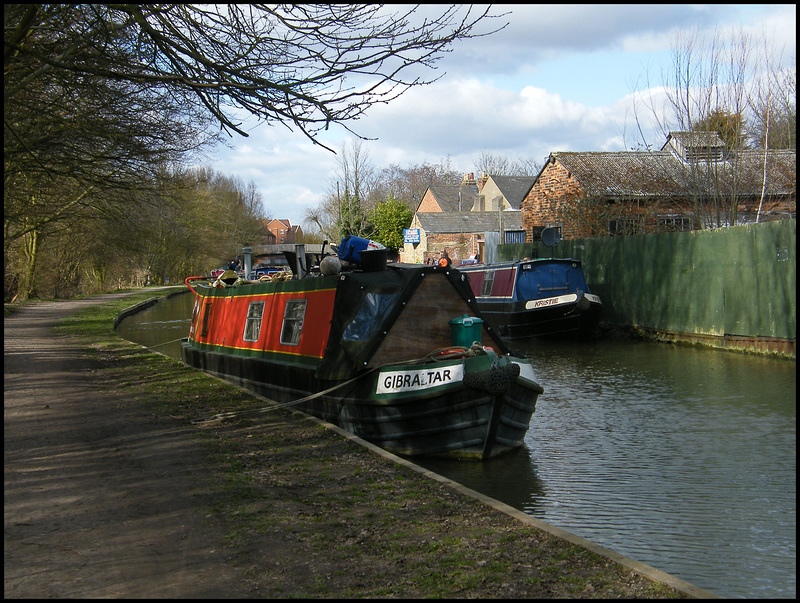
[495, 380]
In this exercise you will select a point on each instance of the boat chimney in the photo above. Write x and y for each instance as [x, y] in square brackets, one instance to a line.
[248, 260]
[300, 259]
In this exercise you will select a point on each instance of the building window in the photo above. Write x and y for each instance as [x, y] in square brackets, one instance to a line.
[195, 312]
[536, 232]
[293, 321]
[514, 237]
[624, 226]
[252, 326]
[674, 223]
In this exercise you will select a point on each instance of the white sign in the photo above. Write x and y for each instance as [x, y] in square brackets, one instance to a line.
[411, 235]
[395, 382]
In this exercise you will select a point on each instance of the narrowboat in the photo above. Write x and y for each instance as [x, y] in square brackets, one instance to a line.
[396, 354]
[535, 298]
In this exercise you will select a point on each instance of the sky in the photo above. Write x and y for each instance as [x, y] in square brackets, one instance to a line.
[557, 78]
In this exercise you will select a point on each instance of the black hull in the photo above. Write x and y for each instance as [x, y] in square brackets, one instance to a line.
[462, 422]
[514, 321]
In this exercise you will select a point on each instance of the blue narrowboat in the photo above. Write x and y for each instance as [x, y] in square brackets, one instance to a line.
[535, 298]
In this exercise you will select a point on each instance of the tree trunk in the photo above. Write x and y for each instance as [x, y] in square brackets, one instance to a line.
[28, 271]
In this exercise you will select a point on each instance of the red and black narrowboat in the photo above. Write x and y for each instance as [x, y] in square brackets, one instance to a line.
[396, 354]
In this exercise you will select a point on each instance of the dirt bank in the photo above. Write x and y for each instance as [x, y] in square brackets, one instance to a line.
[109, 492]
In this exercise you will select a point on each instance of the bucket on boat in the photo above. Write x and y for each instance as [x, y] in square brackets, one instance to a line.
[465, 330]
[374, 260]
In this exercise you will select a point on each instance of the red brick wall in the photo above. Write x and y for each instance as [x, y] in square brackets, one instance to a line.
[429, 204]
[547, 200]
[459, 246]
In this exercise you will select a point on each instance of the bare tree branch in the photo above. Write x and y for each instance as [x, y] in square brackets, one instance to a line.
[304, 66]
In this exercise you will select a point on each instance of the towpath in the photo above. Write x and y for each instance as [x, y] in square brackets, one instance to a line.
[98, 500]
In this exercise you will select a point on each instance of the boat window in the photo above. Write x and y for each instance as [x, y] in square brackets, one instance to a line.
[195, 311]
[293, 321]
[252, 326]
[206, 315]
[488, 281]
[371, 314]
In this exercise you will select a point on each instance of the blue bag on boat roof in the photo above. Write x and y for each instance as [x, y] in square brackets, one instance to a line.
[352, 246]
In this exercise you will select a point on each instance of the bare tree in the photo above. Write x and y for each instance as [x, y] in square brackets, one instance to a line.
[493, 164]
[76, 146]
[773, 101]
[347, 203]
[408, 184]
[359, 188]
[99, 97]
[500, 165]
[708, 85]
[774, 104]
[526, 166]
[284, 63]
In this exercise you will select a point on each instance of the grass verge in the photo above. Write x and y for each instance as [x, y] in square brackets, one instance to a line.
[308, 513]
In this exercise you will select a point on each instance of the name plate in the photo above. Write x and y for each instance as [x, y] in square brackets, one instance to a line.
[396, 382]
[551, 301]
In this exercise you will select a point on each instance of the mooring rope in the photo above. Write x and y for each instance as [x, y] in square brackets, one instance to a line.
[166, 342]
[235, 414]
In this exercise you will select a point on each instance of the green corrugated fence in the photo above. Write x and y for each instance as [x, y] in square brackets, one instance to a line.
[738, 281]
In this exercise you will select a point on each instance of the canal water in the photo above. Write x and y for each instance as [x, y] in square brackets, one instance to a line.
[681, 457]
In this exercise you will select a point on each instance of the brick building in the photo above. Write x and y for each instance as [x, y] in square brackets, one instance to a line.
[463, 219]
[692, 182]
[280, 232]
[463, 235]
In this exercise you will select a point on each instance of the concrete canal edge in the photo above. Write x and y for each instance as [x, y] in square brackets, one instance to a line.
[143, 305]
[135, 309]
[690, 590]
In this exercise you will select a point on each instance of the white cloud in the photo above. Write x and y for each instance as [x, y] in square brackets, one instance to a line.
[558, 78]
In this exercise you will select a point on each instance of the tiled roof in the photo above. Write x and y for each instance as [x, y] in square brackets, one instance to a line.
[514, 188]
[468, 222]
[624, 174]
[446, 196]
[661, 173]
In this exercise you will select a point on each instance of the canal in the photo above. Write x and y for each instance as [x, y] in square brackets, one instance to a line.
[680, 457]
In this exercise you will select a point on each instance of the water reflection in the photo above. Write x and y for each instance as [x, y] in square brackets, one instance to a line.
[681, 457]
[496, 475]
[161, 326]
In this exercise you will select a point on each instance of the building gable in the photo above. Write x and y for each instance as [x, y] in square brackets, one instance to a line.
[429, 204]
[283, 232]
[448, 198]
[506, 191]
[514, 189]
